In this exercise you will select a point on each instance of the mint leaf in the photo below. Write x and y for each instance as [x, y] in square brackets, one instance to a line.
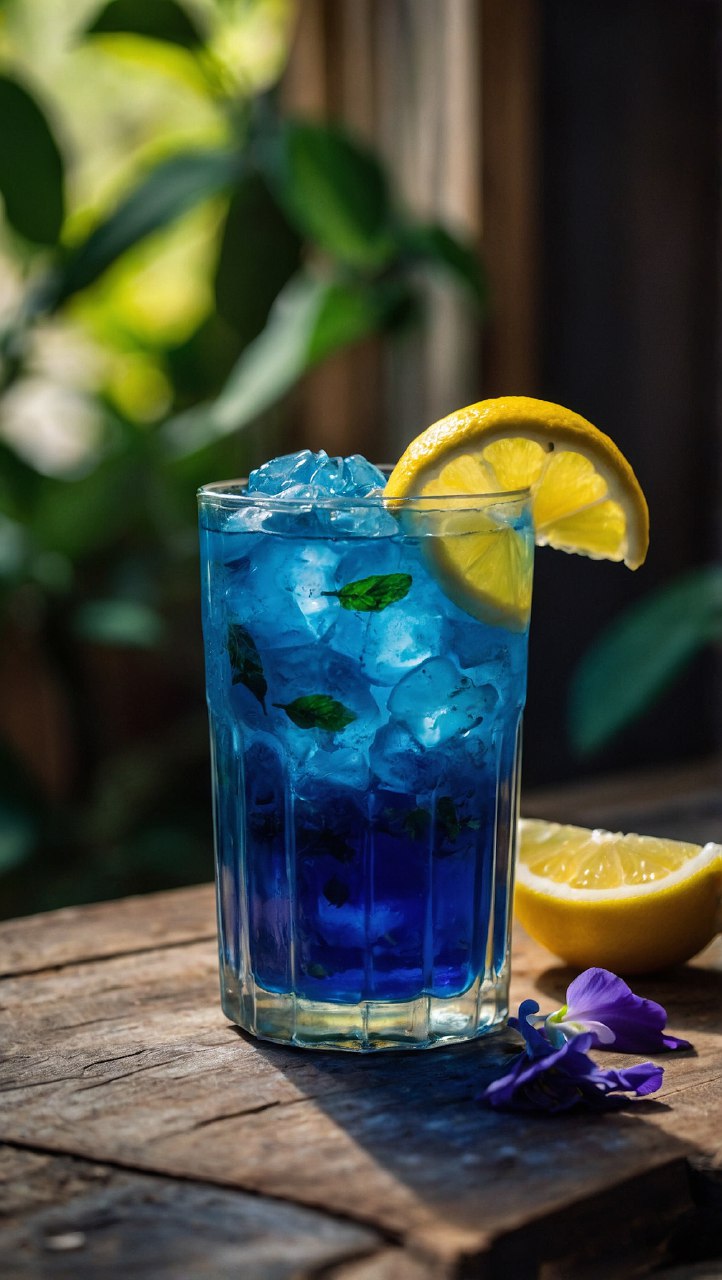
[317, 711]
[416, 823]
[246, 662]
[413, 823]
[328, 844]
[447, 817]
[336, 892]
[370, 595]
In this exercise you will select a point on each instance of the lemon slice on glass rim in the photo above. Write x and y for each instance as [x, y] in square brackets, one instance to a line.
[584, 497]
[629, 903]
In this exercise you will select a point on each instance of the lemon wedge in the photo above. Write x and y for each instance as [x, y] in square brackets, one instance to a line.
[584, 497]
[629, 903]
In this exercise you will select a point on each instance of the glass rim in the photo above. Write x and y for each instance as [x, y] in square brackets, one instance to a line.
[231, 494]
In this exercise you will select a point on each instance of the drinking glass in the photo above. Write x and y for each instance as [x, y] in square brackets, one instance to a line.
[365, 708]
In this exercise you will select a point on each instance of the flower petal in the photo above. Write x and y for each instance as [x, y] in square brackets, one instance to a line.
[673, 1042]
[598, 996]
[537, 1044]
[641, 1079]
[559, 1029]
[565, 1079]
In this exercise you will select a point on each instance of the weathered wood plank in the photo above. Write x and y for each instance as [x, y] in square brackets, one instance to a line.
[102, 929]
[130, 1060]
[683, 802]
[74, 1219]
[387, 1264]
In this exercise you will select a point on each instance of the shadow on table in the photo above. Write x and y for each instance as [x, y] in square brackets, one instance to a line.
[408, 1131]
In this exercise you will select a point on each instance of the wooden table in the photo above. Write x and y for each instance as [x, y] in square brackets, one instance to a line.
[140, 1132]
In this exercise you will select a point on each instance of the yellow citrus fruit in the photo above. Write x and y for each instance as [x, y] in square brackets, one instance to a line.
[630, 903]
[584, 497]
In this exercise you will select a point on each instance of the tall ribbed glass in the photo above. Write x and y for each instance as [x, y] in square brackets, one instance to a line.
[365, 705]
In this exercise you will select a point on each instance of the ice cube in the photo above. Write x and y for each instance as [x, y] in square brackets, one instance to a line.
[399, 763]
[307, 475]
[400, 635]
[398, 639]
[333, 765]
[310, 575]
[313, 671]
[260, 593]
[435, 702]
[454, 767]
[471, 640]
[361, 477]
[279, 475]
[362, 560]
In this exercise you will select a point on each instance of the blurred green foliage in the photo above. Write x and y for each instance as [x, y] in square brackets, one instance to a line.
[175, 256]
[640, 654]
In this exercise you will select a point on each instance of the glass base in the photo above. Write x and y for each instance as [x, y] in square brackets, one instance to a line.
[370, 1025]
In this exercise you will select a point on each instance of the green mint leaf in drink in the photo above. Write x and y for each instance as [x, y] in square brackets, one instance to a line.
[370, 595]
[416, 823]
[317, 711]
[336, 892]
[447, 818]
[246, 662]
[329, 844]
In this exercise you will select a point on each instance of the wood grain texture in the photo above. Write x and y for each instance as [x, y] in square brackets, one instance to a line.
[128, 1061]
[69, 1219]
[683, 802]
[75, 934]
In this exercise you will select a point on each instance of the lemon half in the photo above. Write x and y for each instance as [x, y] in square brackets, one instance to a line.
[630, 903]
[584, 496]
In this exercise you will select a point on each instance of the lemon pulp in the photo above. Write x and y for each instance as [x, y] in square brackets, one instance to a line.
[583, 493]
[630, 903]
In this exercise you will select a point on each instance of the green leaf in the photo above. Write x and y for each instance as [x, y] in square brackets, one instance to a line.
[347, 313]
[447, 817]
[18, 834]
[20, 809]
[318, 711]
[334, 191]
[370, 595]
[416, 823]
[14, 549]
[19, 484]
[31, 167]
[259, 253]
[329, 844]
[246, 662]
[83, 517]
[310, 319]
[123, 623]
[171, 189]
[158, 19]
[336, 891]
[639, 655]
[435, 245]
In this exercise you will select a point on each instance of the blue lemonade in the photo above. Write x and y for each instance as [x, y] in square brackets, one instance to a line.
[365, 736]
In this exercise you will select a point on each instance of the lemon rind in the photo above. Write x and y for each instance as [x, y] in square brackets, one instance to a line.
[490, 420]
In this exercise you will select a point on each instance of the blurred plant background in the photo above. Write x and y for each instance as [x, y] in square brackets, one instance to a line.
[177, 252]
[206, 204]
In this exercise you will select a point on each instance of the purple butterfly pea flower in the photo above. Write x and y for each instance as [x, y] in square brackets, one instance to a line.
[600, 1003]
[554, 1079]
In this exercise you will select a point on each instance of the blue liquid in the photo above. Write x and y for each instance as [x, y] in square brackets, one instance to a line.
[365, 860]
